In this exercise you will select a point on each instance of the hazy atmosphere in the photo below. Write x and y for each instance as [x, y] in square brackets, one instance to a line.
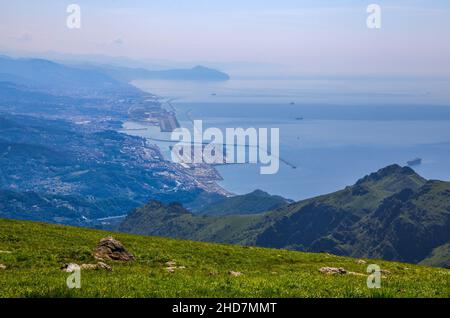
[281, 38]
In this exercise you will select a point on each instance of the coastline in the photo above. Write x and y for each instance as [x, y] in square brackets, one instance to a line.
[205, 175]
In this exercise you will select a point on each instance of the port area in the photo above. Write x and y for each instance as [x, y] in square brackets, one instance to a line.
[153, 111]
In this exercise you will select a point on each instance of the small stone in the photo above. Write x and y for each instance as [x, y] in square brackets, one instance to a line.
[361, 262]
[357, 274]
[89, 266]
[171, 263]
[171, 269]
[101, 265]
[71, 267]
[333, 270]
[235, 274]
[2, 267]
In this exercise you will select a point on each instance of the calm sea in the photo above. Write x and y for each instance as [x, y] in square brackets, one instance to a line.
[349, 128]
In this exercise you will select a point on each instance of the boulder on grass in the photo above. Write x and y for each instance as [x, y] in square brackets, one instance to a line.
[110, 249]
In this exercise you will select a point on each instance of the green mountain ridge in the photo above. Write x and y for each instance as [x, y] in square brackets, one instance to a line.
[158, 219]
[393, 214]
[254, 202]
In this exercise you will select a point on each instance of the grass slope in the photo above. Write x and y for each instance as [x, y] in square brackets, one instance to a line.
[33, 253]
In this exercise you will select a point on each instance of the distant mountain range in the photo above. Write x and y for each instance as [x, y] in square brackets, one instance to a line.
[393, 214]
[54, 77]
[197, 73]
[91, 79]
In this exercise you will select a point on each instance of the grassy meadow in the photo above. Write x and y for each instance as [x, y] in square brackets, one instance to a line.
[32, 255]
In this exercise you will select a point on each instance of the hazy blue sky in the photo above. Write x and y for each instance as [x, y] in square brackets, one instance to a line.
[295, 37]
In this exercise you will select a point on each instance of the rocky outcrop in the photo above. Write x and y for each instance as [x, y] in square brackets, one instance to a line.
[110, 249]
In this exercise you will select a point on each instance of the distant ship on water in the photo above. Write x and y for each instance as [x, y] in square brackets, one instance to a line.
[415, 162]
